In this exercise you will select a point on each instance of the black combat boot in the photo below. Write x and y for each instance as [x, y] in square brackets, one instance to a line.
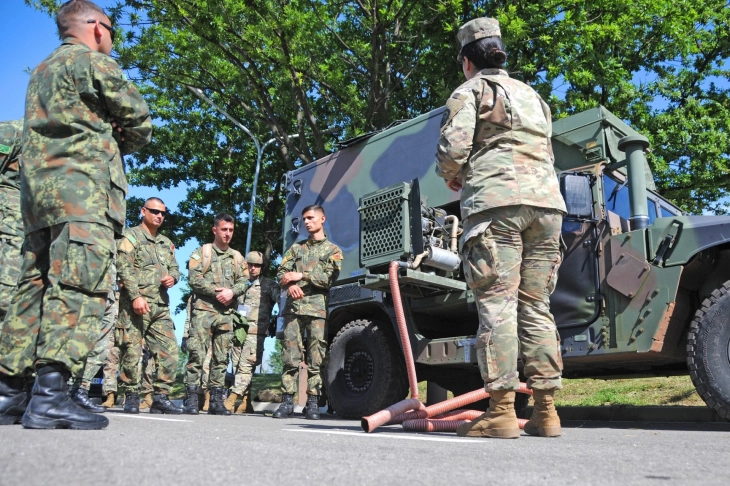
[13, 399]
[286, 409]
[80, 396]
[131, 402]
[51, 406]
[216, 402]
[161, 404]
[191, 400]
[311, 412]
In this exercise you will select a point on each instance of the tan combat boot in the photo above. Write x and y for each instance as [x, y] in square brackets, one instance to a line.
[230, 402]
[500, 420]
[544, 421]
[146, 403]
[110, 400]
[245, 406]
[207, 401]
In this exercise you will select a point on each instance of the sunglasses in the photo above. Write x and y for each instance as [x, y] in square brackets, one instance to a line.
[155, 211]
[106, 26]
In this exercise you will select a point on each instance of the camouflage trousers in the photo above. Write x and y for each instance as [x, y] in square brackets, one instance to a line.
[245, 359]
[209, 341]
[156, 329]
[98, 356]
[9, 270]
[111, 369]
[293, 347]
[511, 258]
[55, 315]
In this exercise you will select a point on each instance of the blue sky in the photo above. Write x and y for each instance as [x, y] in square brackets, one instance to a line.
[29, 37]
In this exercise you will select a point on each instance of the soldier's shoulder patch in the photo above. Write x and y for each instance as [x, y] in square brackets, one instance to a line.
[454, 104]
[4, 149]
[337, 256]
[126, 245]
[131, 238]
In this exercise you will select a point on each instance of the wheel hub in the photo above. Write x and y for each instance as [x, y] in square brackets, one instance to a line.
[359, 369]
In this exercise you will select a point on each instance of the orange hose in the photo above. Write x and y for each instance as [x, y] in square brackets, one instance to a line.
[431, 425]
[400, 318]
[377, 419]
[458, 415]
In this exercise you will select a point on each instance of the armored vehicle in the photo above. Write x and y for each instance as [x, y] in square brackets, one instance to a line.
[642, 290]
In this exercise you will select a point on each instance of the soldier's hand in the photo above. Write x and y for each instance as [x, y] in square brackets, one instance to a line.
[115, 126]
[168, 281]
[225, 296]
[140, 306]
[454, 185]
[295, 292]
[290, 277]
[184, 345]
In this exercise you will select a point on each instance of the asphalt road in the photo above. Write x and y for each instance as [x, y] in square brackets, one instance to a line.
[258, 450]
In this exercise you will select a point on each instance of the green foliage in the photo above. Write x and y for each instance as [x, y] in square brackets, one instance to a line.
[275, 364]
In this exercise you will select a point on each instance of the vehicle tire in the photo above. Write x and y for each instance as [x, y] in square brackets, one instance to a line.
[366, 371]
[708, 351]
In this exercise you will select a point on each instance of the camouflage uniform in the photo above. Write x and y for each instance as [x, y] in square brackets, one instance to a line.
[143, 261]
[495, 140]
[319, 261]
[11, 222]
[260, 298]
[72, 199]
[212, 323]
[205, 373]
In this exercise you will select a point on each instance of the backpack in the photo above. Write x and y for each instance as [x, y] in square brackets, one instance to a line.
[208, 256]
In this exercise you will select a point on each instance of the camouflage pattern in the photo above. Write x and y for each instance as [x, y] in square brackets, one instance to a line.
[478, 29]
[55, 315]
[211, 325]
[111, 369]
[11, 221]
[143, 261]
[245, 359]
[511, 258]
[204, 372]
[147, 369]
[78, 175]
[319, 262]
[501, 159]
[293, 347]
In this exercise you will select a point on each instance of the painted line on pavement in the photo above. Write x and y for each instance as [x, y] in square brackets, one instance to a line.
[126, 415]
[385, 436]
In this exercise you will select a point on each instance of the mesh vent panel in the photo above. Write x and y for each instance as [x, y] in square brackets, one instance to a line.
[382, 224]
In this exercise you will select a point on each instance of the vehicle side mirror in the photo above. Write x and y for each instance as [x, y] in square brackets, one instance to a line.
[576, 190]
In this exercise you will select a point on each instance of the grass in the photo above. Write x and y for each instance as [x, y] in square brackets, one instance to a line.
[259, 382]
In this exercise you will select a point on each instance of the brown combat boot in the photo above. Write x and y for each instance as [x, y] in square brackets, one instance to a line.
[245, 406]
[544, 421]
[146, 403]
[111, 399]
[230, 402]
[499, 421]
[206, 404]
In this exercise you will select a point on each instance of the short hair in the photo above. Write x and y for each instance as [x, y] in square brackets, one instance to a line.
[153, 198]
[223, 217]
[70, 11]
[313, 207]
[486, 53]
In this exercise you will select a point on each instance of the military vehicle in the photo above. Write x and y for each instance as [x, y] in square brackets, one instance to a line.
[642, 290]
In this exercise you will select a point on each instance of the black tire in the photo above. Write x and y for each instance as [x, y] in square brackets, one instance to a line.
[366, 371]
[708, 351]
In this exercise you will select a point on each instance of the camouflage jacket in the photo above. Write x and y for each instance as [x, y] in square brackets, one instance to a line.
[142, 261]
[222, 272]
[11, 220]
[260, 297]
[188, 315]
[495, 139]
[72, 159]
[320, 262]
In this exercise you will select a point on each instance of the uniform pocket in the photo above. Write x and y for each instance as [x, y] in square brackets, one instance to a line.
[479, 254]
[87, 258]
[553, 275]
[486, 357]
[559, 353]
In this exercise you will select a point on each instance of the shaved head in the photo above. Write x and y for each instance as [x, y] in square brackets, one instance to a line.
[75, 12]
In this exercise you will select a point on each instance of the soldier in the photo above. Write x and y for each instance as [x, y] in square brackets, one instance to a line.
[205, 373]
[495, 148]
[255, 305]
[307, 271]
[81, 115]
[147, 269]
[217, 277]
[11, 222]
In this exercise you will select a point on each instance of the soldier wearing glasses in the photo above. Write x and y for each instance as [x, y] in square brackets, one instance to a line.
[147, 268]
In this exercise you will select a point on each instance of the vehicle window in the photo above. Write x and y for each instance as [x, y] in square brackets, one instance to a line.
[667, 213]
[617, 199]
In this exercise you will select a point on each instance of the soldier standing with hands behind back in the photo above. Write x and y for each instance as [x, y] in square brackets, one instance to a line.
[81, 115]
[495, 147]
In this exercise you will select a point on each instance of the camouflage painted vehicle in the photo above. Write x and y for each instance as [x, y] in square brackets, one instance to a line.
[643, 289]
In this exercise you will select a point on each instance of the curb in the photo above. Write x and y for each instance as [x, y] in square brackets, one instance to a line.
[627, 413]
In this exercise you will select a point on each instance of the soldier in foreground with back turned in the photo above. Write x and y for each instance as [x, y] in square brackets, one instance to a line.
[11, 221]
[81, 115]
[255, 305]
[217, 276]
[147, 269]
[307, 271]
[495, 147]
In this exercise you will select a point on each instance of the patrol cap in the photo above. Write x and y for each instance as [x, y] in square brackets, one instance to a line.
[255, 257]
[477, 29]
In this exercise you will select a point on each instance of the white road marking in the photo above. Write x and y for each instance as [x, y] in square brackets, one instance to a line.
[386, 436]
[127, 415]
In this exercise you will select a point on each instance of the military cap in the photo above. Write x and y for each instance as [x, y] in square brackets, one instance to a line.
[477, 29]
[255, 257]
